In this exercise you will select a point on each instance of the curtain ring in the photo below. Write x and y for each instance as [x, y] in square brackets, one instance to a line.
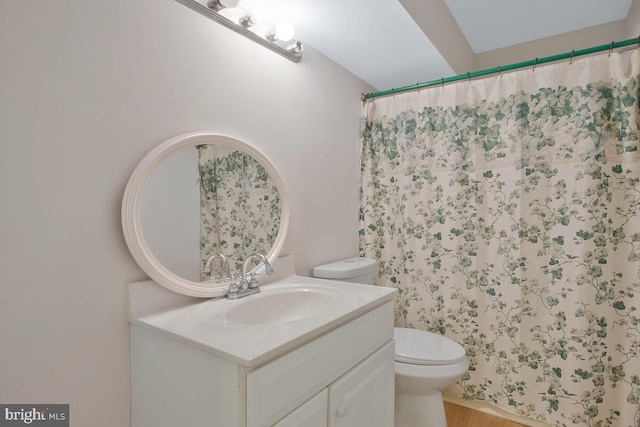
[500, 70]
[535, 64]
[573, 52]
[442, 82]
[610, 49]
[469, 77]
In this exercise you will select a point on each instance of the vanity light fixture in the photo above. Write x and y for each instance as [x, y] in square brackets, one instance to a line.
[276, 39]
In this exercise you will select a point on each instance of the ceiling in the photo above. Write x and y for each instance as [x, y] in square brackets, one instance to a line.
[392, 43]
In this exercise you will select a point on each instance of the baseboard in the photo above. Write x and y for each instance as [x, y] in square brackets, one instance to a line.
[492, 410]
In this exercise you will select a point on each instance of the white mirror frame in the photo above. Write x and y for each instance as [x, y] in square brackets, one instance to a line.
[132, 201]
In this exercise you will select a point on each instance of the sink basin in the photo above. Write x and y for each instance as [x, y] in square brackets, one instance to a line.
[281, 305]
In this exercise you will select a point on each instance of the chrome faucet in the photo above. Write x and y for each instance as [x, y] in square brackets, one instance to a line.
[245, 266]
[247, 286]
[223, 262]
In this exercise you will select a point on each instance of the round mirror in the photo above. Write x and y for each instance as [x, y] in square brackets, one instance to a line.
[197, 195]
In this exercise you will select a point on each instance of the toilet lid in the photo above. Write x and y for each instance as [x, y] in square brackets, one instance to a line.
[426, 348]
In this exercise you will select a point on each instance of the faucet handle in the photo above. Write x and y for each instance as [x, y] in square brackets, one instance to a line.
[253, 282]
[234, 288]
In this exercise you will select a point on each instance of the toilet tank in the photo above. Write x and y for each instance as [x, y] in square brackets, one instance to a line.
[355, 270]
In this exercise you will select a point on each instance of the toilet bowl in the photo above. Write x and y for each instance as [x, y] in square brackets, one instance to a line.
[425, 363]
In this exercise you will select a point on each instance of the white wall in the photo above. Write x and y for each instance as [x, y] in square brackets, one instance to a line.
[86, 89]
[575, 40]
[549, 46]
[632, 23]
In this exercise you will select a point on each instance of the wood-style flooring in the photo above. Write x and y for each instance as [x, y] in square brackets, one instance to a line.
[459, 416]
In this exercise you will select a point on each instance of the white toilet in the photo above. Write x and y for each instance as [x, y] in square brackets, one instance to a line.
[426, 363]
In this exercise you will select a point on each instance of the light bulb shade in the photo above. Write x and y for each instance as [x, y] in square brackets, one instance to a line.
[284, 31]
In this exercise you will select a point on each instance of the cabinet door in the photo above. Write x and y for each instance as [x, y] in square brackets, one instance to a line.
[312, 413]
[364, 396]
[281, 385]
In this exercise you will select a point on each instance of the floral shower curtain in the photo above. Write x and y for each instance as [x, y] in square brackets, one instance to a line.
[239, 206]
[506, 211]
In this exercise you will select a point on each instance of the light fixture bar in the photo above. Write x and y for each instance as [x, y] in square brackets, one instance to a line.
[211, 14]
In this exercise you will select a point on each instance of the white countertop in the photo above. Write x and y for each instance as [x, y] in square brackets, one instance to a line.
[204, 325]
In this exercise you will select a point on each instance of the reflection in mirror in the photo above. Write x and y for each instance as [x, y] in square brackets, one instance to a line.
[170, 213]
[207, 199]
[239, 205]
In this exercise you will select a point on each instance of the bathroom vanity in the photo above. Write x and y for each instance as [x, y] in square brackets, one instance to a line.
[301, 352]
[327, 360]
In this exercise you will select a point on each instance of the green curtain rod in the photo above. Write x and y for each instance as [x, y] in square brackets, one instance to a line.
[537, 61]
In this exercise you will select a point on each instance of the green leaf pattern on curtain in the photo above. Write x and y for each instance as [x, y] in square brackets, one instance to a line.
[239, 206]
[513, 227]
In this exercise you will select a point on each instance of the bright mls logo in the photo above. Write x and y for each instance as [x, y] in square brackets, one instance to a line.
[36, 415]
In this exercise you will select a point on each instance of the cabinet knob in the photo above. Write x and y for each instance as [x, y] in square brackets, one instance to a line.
[342, 410]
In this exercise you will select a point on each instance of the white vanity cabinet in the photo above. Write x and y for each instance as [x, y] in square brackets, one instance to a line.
[342, 377]
[302, 352]
[361, 397]
[312, 413]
